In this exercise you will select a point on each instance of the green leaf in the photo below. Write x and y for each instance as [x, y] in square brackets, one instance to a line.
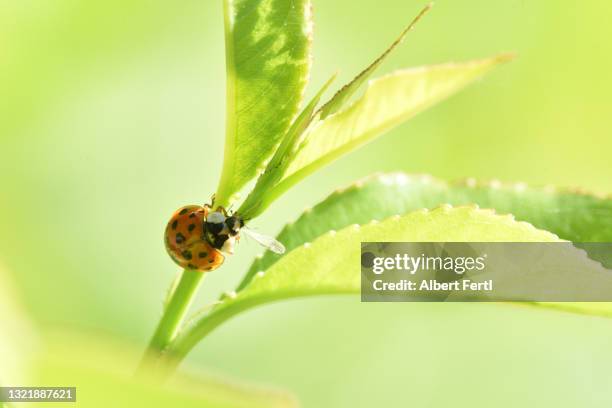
[572, 215]
[387, 102]
[338, 101]
[258, 200]
[329, 264]
[103, 374]
[275, 169]
[268, 45]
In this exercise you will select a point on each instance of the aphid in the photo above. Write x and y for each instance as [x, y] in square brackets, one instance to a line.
[198, 238]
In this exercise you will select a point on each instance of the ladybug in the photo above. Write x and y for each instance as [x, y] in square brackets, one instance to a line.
[198, 238]
[185, 243]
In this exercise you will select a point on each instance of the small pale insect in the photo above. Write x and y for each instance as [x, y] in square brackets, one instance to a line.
[199, 238]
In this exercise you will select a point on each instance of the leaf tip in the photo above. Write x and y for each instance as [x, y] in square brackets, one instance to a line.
[415, 20]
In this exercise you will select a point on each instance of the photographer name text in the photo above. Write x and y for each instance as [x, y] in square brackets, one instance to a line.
[432, 285]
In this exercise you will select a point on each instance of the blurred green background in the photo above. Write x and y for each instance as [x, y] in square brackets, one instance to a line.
[112, 116]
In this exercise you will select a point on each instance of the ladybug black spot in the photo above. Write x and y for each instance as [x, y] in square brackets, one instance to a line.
[183, 211]
[180, 238]
[174, 224]
[202, 254]
[191, 227]
[187, 255]
[192, 215]
[192, 266]
[211, 260]
[209, 268]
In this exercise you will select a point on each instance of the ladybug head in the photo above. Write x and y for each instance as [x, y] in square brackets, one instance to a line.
[215, 222]
[222, 231]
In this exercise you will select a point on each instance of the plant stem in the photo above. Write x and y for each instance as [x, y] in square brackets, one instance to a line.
[223, 197]
[188, 339]
[174, 312]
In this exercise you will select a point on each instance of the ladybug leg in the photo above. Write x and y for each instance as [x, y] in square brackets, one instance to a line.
[223, 210]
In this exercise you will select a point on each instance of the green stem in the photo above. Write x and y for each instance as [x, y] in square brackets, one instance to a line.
[223, 197]
[174, 313]
[191, 336]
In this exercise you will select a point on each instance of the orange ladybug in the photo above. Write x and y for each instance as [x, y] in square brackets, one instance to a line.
[198, 238]
[185, 240]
